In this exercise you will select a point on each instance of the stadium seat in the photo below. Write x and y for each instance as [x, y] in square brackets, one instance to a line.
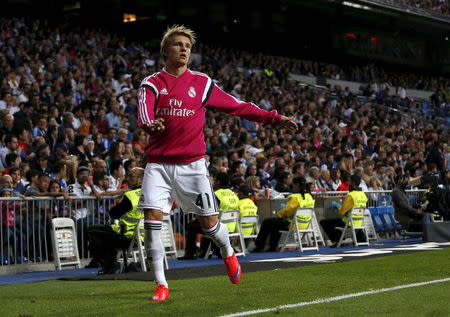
[64, 240]
[350, 229]
[250, 221]
[297, 235]
[168, 239]
[136, 250]
[370, 228]
[377, 221]
[395, 223]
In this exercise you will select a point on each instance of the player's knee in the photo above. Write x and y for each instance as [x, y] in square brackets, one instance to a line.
[153, 214]
[207, 222]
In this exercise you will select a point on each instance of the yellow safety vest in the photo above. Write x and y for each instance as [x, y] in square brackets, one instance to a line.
[247, 208]
[307, 202]
[129, 221]
[268, 72]
[228, 201]
[359, 201]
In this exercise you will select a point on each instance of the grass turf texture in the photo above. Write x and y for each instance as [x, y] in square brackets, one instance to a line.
[214, 296]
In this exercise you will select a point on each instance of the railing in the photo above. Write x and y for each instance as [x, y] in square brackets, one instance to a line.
[25, 225]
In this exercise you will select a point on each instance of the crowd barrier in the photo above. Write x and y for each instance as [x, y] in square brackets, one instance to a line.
[26, 223]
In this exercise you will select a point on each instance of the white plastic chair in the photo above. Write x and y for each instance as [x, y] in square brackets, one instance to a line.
[252, 221]
[64, 240]
[350, 229]
[168, 239]
[370, 227]
[296, 237]
[136, 248]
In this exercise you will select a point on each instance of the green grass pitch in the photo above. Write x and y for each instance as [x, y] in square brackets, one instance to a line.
[215, 296]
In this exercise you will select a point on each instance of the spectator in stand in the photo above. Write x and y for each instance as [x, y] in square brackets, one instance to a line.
[81, 188]
[80, 150]
[102, 185]
[324, 183]
[117, 174]
[8, 123]
[40, 129]
[110, 139]
[101, 122]
[313, 176]
[139, 141]
[60, 174]
[58, 208]
[254, 185]
[23, 117]
[284, 183]
[346, 178]
[114, 118]
[17, 183]
[115, 152]
[12, 230]
[67, 122]
[335, 175]
[12, 160]
[11, 146]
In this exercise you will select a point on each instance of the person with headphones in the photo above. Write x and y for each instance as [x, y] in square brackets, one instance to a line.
[271, 227]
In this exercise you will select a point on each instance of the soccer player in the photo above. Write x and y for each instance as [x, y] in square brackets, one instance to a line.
[172, 106]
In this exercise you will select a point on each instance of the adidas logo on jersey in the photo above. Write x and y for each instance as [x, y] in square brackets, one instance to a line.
[163, 92]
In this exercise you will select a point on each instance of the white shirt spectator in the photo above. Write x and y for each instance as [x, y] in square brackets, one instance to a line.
[76, 189]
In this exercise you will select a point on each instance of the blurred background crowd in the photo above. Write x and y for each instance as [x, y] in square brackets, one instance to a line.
[68, 99]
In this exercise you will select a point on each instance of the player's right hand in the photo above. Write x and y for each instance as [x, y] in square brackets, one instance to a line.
[157, 125]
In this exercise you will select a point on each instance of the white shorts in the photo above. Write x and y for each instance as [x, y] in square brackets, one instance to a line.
[188, 184]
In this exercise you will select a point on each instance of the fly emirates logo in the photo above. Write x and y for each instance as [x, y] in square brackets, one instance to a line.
[175, 109]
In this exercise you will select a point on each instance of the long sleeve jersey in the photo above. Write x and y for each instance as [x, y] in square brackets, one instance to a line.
[181, 102]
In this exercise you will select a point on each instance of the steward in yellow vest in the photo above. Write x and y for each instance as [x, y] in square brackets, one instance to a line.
[106, 240]
[295, 202]
[129, 221]
[355, 198]
[246, 208]
[270, 228]
[227, 200]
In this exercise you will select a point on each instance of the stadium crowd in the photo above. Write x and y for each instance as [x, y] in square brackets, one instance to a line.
[439, 6]
[68, 118]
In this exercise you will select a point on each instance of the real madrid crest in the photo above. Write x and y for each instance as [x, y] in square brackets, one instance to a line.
[191, 92]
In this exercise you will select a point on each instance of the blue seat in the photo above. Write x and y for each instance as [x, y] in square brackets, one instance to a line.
[377, 221]
[388, 225]
[396, 224]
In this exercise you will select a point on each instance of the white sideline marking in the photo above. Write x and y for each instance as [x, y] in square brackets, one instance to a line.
[333, 299]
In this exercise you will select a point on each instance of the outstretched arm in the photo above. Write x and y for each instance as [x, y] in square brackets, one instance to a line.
[247, 110]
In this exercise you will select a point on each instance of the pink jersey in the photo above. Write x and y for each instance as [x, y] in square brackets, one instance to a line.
[181, 102]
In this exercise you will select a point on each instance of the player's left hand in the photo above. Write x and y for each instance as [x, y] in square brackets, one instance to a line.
[288, 123]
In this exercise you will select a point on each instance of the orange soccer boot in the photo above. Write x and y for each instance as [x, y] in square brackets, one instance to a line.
[233, 268]
[161, 293]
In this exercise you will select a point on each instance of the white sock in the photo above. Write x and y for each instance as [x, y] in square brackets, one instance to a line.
[219, 234]
[154, 248]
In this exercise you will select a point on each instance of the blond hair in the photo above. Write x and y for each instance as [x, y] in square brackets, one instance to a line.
[176, 30]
